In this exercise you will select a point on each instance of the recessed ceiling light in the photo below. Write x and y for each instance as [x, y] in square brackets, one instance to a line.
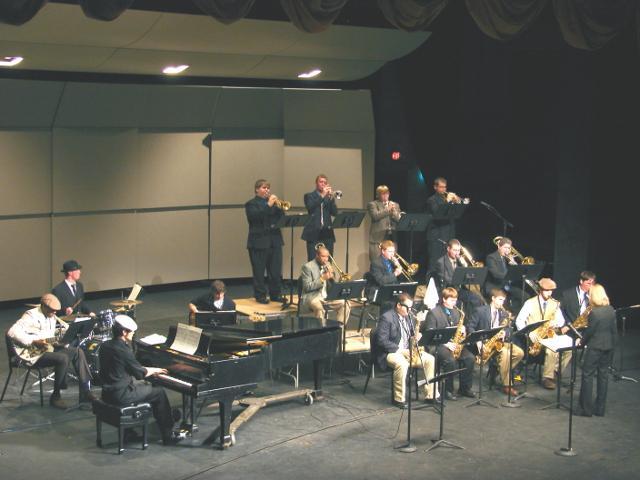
[310, 74]
[10, 61]
[174, 69]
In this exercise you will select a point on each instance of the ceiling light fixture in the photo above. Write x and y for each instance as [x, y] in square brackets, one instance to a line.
[310, 74]
[10, 61]
[174, 69]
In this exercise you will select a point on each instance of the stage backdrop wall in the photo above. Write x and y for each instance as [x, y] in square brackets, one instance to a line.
[118, 177]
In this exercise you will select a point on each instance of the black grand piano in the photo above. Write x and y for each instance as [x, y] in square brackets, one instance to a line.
[230, 360]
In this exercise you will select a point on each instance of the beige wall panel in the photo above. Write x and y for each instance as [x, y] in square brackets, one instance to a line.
[173, 170]
[105, 246]
[25, 163]
[172, 246]
[94, 169]
[25, 258]
[229, 257]
[343, 167]
[237, 164]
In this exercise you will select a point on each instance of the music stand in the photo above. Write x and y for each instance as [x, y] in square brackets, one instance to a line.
[347, 220]
[413, 222]
[510, 403]
[481, 336]
[561, 351]
[345, 291]
[206, 320]
[291, 221]
[622, 314]
[525, 332]
[522, 273]
[386, 293]
[441, 442]
[434, 337]
[469, 275]
[80, 329]
[568, 451]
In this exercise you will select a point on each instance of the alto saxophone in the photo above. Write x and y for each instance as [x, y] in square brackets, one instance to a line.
[495, 343]
[543, 331]
[458, 337]
[583, 320]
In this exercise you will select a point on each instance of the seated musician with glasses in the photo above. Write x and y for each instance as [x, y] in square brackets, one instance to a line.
[316, 278]
[445, 315]
[392, 339]
[34, 339]
[122, 378]
[492, 316]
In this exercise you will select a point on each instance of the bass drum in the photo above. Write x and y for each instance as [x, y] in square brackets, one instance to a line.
[91, 351]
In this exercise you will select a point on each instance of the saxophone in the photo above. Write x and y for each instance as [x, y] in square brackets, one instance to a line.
[458, 337]
[543, 331]
[583, 320]
[495, 343]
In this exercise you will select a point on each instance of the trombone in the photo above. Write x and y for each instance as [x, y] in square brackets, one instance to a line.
[344, 277]
[408, 269]
[516, 257]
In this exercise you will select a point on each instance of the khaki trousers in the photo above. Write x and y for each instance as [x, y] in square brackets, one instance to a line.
[399, 361]
[551, 360]
[342, 308]
[503, 361]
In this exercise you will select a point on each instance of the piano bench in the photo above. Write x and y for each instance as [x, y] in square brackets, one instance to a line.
[122, 417]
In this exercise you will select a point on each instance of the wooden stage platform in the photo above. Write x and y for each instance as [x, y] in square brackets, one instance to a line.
[254, 310]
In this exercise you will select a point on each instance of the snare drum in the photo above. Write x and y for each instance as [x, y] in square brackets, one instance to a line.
[91, 351]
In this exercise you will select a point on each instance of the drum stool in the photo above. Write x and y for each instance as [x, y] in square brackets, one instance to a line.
[134, 415]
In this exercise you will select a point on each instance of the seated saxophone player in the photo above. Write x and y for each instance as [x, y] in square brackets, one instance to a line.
[316, 278]
[494, 315]
[445, 314]
[392, 340]
[544, 308]
[33, 337]
[384, 270]
[443, 269]
[385, 215]
[496, 263]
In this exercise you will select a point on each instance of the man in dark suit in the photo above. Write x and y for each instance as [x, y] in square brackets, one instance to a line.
[265, 242]
[385, 216]
[391, 345]
[496, 263]
[70, 291]
[442, 316]
[445, 209]
[574, 300]
[213, 301]
[494, 315]
[321, 205]
[383, 270]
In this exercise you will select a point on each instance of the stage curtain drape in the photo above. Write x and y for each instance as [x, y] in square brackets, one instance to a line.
[312, 16]
[17, 12]
[590, 24]
[411, 15]
[225, 11]
[505, 19]
[106, 10]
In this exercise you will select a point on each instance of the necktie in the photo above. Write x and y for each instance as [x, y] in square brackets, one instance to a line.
[544, 308]
[73, 289]
[495, 319]
[585, 299]
[321, 214]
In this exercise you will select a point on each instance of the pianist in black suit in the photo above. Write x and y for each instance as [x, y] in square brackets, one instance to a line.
[214, 300]
[122, 377]
[70, 291]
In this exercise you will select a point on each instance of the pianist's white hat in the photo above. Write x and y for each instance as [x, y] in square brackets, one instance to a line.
[126, 322]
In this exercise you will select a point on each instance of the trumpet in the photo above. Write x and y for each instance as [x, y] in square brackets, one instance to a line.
[335, 194]
[282, 204]
[451, 197]
[408, 269]
[344, 277]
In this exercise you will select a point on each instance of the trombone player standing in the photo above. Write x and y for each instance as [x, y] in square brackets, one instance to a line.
[265, 241]
[316, 278]
[385, 216]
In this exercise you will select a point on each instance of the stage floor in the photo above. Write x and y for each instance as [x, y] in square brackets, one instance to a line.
[348, 435]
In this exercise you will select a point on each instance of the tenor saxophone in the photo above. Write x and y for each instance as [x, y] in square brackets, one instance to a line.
[458, 337]
[495, 343]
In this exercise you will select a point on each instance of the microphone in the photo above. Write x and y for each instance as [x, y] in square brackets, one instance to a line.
[485, 204]
[442, 241]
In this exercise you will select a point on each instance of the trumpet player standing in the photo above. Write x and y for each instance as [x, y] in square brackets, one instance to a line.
[316, 278]
[321, 205]
[385, 215]
[492, 316]
[265, 242]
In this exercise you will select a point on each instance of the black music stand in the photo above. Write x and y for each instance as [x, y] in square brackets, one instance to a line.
[525, 332]
[291, 221]
[387, 293]
[79, 330]
[568, 451]
[347, 220]
[469, 276]
[345, 291]
[434, 337]
[561, 352]
[441, 442]
[523, 273]
[481, 336]
[413, 222]
[622, 314]
[510, 403]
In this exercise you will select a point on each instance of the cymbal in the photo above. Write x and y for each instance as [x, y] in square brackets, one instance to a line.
[126, 303]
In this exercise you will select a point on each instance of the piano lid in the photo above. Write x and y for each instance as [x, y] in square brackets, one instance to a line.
[285, 326]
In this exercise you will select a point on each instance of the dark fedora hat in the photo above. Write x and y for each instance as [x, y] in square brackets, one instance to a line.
[70, 266]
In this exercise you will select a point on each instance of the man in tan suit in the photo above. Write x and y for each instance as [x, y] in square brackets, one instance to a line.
[385, 215]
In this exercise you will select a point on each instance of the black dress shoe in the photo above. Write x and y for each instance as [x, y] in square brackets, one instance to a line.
[467, 393]
[450, 396]
[262, 300]
[278, 299]
[400, 405]
[171, 438]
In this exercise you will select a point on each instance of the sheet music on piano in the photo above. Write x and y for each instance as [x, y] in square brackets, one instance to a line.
[187, 339]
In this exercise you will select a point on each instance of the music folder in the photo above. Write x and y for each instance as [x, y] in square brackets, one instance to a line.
[214, 319]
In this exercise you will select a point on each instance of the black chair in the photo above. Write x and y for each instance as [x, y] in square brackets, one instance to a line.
[133, 415]
[16, 362]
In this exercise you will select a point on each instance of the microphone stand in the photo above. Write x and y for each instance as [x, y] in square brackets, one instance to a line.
[617, 376]
[408, 447]
[568, 451]
[511, 403]
[505, 223]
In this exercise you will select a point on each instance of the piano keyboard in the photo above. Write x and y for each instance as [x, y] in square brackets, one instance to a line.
[175, 380]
